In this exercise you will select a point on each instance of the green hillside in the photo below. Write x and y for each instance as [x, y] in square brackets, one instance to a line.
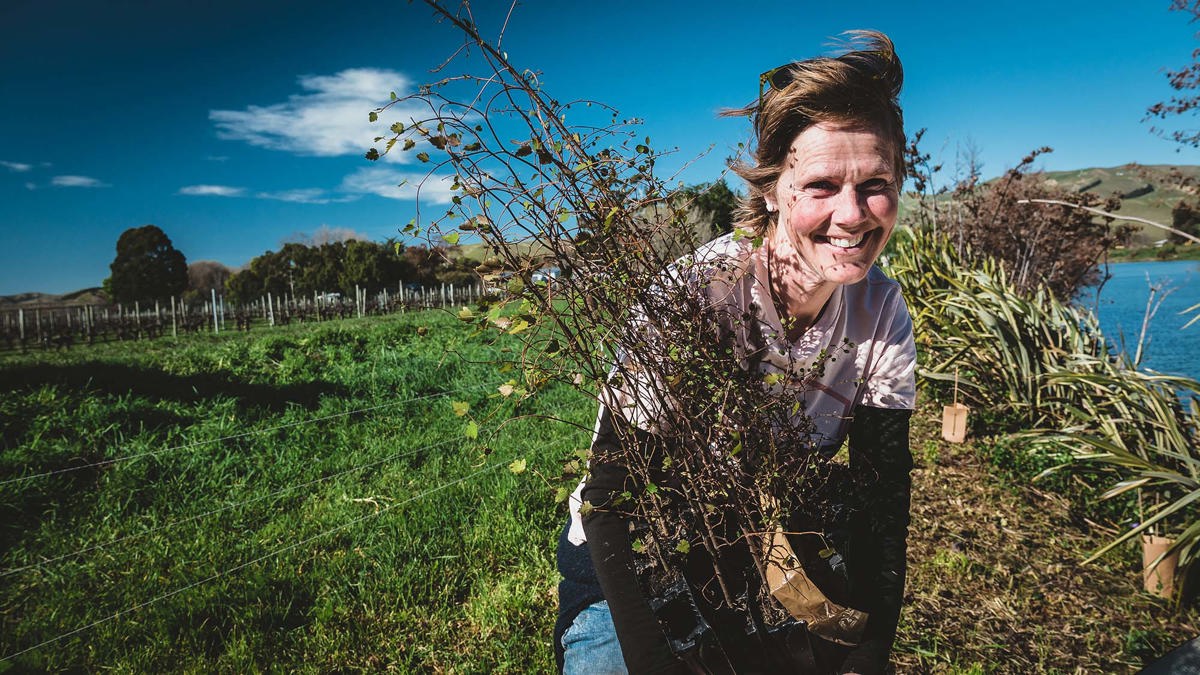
[1146, 191]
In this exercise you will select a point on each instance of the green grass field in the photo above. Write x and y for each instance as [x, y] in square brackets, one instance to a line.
[304, 499]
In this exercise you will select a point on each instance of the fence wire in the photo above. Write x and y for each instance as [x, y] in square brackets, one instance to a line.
[245, 434]
[337, 528]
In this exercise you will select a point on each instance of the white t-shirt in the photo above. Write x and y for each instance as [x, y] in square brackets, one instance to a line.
[877, 371]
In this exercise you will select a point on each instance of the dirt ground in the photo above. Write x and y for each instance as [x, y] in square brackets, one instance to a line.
[995, 582]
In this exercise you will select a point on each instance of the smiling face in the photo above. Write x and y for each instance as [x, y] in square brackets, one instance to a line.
[835, 206]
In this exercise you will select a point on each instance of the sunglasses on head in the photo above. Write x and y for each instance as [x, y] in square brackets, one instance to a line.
[777, 78]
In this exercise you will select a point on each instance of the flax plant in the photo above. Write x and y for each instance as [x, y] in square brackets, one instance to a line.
[1042, 367]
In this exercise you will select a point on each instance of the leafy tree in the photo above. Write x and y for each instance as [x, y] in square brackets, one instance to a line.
[716, 202]
[298, 269]
[203, 277]
[1186, 218]
[243, 286]
[1185, 81]
[147, 267]
[424, 264]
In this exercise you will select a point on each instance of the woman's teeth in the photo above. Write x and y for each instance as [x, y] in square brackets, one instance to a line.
[845, 243]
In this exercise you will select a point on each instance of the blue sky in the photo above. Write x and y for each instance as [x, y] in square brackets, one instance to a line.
[235, 126]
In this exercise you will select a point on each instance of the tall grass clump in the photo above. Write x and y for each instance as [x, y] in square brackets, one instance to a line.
[1031, 363]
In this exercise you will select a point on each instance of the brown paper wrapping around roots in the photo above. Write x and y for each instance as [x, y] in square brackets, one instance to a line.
[791, 587]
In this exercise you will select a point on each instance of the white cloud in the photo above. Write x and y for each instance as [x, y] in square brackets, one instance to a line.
[329, 120]
[30, 185]
[77, 181]
[393, 184]
[305, 196]
[212, 191]
[18, 167]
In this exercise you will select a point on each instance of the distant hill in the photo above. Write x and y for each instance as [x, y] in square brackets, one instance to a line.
[1145, 191]
[87, 296]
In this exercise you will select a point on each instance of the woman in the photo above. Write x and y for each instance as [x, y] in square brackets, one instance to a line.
[823, 190]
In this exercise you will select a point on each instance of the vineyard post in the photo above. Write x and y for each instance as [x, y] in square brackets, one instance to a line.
[270, 310]
[216, 327]
[174, 331]
[37, 319]
[21, 322]
[137, 317]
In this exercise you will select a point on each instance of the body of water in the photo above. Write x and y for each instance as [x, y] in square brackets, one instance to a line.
[1170, 348]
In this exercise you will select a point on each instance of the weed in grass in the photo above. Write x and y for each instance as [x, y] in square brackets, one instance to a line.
[1145, 645]
[953, 562]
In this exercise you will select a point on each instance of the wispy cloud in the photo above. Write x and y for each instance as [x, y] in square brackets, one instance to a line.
[77, 181]
[305, 196]
[18, 167]
[393, 184]
[212, 191]
[329, 120]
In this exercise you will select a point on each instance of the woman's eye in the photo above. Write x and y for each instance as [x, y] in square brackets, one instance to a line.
[875, 185]
[822, 187]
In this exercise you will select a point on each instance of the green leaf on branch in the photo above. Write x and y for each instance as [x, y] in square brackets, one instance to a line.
[517, 466]
[683, 546]
[451, 238]
[372, 116]
[472, 430]
[423, 156]
[460, 407]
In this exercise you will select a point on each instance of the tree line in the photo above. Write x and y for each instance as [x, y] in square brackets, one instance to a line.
[148, 267]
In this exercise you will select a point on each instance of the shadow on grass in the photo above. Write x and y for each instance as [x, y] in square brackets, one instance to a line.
[74, 469]
[108, 378]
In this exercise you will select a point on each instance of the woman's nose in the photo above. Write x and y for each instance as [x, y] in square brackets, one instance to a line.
[849, 209]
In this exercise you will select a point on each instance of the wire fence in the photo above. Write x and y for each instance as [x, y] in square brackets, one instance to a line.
[51, 327]
[493, 463]
[487, 468]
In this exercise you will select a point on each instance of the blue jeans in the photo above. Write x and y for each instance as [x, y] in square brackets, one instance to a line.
[590, 645]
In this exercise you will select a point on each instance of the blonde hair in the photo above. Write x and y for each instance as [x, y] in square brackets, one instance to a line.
[856, 90]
